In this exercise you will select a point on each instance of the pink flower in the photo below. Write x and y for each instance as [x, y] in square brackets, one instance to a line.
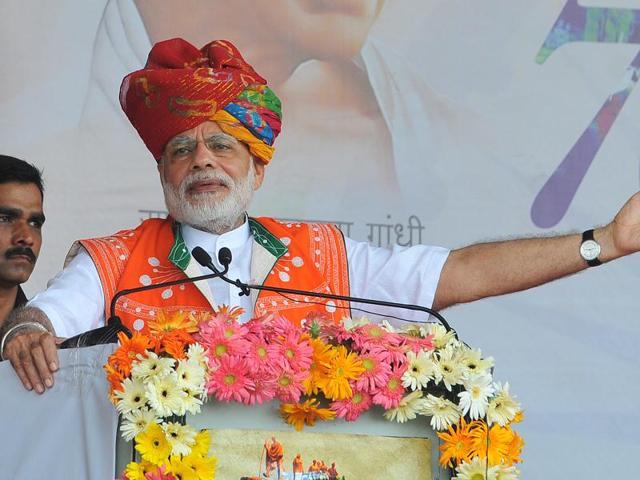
[222, 338]
[351, 408]
[418, 344]
[371, 334]
[392, 392]
[274, 324]
[231, 380]
[293, 351]
[376, 371]
[390, 354]
[260, 357]
[321, 325]
[159, 474]
[289, 384]
[263, 389]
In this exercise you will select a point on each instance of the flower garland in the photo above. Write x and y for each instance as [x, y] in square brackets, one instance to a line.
[320, 371]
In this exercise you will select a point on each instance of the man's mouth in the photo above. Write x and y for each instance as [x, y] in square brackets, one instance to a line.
[21, 254]
[206, 186]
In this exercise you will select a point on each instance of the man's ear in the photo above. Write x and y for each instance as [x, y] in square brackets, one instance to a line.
[259, 176]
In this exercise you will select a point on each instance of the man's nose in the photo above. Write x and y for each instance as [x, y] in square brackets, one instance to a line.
[203, 157]
[22, 234]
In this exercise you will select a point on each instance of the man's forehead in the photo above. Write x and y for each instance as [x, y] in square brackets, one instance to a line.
[21, 195]
[191, 136]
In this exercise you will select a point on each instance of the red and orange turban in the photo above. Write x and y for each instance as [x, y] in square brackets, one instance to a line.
[180, 87]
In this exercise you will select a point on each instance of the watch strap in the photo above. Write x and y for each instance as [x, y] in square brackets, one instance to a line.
[588, 235]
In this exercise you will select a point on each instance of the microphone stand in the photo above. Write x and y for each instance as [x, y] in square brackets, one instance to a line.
[224, 257]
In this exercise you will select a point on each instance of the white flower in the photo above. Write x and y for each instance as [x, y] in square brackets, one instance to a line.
[196, 354]
[507, 473]
[164, 395]
[443, 412]
[447, 368]
[137, 422]
[503, 407]
[473, 363]
[474, 400]
[190, 375]
[440, 336]
[349, 323]
[191, 402]
[180, 437]
[152, 366]
[132, 397]
[420, 370]
[407, 409]
[476, 469]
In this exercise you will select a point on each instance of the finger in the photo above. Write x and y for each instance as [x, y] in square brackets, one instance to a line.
[22, 374]
[26, 360]
[60, 340]
[37, 353]
[49, 345]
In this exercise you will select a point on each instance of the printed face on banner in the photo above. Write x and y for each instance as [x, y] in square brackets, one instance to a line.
[21, 221]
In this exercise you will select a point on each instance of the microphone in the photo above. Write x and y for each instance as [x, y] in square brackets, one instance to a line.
[224, 257]
[109, 333]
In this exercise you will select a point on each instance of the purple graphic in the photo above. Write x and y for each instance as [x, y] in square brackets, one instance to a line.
[585, 24]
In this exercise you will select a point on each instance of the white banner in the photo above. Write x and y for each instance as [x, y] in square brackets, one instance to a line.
[406, 121]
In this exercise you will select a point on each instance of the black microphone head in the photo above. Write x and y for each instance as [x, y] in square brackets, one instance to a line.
[224, 257]
[201, 256]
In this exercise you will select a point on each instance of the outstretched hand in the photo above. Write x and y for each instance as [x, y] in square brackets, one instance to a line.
[624, 229]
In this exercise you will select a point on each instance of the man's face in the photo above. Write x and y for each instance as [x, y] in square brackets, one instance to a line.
[21, 220]
[208, 178]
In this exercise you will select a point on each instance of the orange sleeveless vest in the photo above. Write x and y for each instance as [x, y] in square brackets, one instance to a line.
[307, 257]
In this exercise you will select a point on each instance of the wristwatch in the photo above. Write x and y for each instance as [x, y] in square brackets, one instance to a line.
[590, 249]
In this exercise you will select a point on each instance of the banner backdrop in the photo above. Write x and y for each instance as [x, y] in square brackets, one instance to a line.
[405, 121]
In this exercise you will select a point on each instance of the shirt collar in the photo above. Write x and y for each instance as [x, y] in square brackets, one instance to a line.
[212, 242]
[21, 298]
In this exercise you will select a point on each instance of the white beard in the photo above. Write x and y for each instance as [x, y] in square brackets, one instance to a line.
[203, 210]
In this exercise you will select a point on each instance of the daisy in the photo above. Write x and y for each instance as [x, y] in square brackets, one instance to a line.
[447, 368]
[514, 450]
[376, 372]
[193, 467]
[507, 473]
[394, 355]
[408, 408]
[443, 412]
[164, 395]
[419, 344]
[420, 370]
[503, 407]
[197, 354]
[300, 414]
[223, 339]
[231, 380]
[259, 357]
[474, 400]
[322, 355]
[473, 363]
[439, 335]
[475, 469]
[351, 408]
[153, 445]
[122, 359]
[191, 402]
[342, 368]
[262, 390]
[151, 367]
[132, 397]
[391, 393]
[492, 443]
[190, 375]
[202, 443]
[180, 437]
[136, 422]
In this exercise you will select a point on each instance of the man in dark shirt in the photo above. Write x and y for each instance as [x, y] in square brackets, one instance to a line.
[21, 220]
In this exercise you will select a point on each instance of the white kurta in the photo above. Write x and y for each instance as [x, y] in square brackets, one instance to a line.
[74, 301]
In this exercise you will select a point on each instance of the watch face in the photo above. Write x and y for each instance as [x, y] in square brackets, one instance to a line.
[590, 250]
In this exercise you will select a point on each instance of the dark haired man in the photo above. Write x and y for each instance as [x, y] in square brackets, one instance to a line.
[21, 220]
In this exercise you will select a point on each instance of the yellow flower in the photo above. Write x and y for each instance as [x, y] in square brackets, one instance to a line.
[495, 447]
[203, 442]
[322, 354]
[515, 450]
[457, 443]
[137, 471]
[342, 367]
[153, 445]
[299, 414]
[168, 322]
[193, 467]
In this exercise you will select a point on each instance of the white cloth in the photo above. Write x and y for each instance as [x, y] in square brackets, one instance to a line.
[74, 301]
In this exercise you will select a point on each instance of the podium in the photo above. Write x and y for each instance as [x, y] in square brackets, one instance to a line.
[70, 432]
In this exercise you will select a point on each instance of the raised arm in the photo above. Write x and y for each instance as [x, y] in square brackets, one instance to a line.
[490, 269]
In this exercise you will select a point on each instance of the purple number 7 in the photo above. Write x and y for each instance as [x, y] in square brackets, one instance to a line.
[585, 24]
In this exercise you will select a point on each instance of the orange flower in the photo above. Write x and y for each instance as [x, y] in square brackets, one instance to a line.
[299, 414]
[494, 444]
[175, 344]
[336, 373]
[115, 379]
[169, 322]
[457, 443]
[123, 357]
[322, 354]
[515, 450]
[518, 418]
